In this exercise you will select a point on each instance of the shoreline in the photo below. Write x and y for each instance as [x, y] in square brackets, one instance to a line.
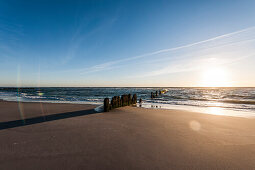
[211, 110]
[236, 102]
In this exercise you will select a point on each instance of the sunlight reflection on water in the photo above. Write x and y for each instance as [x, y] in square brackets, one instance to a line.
[207, 110]
[215, 111]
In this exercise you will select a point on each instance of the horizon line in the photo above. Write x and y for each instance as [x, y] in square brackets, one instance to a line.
[127, 87]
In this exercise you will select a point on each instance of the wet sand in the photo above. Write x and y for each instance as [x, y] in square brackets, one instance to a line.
[125, 138]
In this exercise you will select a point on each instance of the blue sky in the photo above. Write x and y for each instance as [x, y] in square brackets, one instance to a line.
[125, 43]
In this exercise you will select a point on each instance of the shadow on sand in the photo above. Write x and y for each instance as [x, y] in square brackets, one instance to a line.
[41, 119]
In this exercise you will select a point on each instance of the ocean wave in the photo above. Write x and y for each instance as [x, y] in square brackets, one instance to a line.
[234, 98]
[238, 102]
[35, 97]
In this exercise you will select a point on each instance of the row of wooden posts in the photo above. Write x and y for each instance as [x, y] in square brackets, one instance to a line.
[153, 95]
[117, 101]
[125, 100]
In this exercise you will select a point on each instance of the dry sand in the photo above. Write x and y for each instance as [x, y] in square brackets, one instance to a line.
[125, 138]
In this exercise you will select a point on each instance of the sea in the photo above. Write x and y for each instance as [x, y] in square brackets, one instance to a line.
[239, 102]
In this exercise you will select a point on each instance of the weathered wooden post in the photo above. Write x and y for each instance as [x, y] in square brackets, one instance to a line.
[140, 102]
[106, 105]
[156, 93]
[121, 101]
[159, 92]
[152, 95]
[118, 101]
[129, 99]
[134, 99]
[124, 100]
[113, 102]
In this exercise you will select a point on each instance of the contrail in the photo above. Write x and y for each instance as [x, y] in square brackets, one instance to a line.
[104, 66]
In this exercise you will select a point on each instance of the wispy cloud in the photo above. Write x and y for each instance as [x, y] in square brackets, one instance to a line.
[83, 33]
[10, 35]
[192, 65]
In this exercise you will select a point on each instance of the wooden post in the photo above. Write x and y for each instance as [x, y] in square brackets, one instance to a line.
[152, 95]
[156, 93]
[134, 99]
[124, 99]
[115, 102]
[129, 99]
[106, 105]
[121, 101]
[140, 102]
[112, 102]
[118, 101]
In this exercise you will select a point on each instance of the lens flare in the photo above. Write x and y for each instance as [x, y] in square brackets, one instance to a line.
[20, 104]
[195, 125]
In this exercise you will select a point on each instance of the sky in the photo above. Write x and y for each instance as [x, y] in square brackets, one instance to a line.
[170, 43]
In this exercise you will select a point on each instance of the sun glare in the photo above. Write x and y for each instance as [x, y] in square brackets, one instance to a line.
[215, 77]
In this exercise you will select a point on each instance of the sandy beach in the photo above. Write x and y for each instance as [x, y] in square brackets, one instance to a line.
[71, 136]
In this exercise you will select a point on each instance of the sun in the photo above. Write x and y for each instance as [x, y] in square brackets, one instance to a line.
[215, 77]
